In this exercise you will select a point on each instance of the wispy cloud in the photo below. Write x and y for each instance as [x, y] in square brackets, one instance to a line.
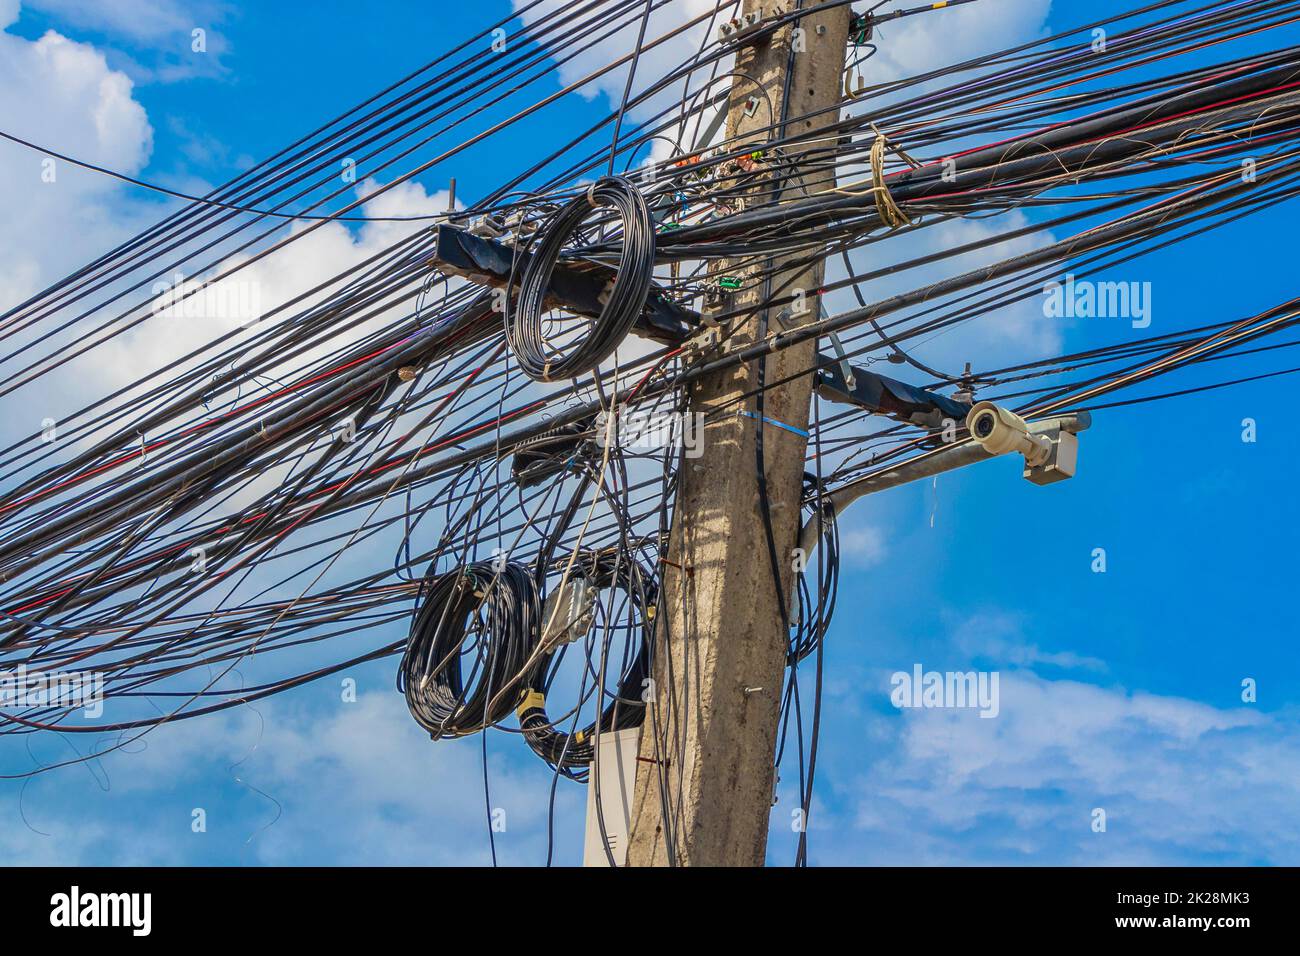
[1180, 782]
[998, 636]
[157, 36]
[307, 780]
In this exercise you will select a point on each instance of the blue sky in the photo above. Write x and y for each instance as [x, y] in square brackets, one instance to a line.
[1119, 690]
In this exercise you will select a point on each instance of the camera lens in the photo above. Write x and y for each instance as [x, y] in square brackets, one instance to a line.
[984, 425]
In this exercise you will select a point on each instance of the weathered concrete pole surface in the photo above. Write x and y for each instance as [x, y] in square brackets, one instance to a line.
[704, 783]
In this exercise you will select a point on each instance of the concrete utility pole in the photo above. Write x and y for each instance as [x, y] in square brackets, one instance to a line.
[704, 784]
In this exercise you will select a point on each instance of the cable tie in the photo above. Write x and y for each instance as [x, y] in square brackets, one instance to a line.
[772, 421]
[531, 700]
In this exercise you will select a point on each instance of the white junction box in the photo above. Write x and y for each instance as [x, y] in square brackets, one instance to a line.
[1061, 463]
[616, 760]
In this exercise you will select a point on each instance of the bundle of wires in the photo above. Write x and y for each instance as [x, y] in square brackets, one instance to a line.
[229, 450]
[815, 609]
[538, 357]
[626, 709]
[480, 612]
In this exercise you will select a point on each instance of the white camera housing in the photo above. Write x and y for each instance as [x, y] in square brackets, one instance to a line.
[1060, 433]
[1001, 432]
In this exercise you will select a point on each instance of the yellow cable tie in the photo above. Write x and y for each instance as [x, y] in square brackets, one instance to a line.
[532, 700]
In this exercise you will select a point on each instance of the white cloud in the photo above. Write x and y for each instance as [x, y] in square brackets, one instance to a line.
[400, 797]
[297, 781]
[913, 46]
[997, 635]
[1004, 336]
[148, 20]
[862, 546]
[160, 31]
[919, 44]
[318, 253]
[1181, 782]
[654, 63]
[62, 95]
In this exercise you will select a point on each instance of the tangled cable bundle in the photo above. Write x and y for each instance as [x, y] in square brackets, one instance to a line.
[625, 709]
[1104, 154]
[626, 299]
[477, 610]
[815, 608]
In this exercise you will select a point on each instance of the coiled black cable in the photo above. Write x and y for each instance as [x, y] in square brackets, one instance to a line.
[537, 357]
[626, 708]
[485, 610]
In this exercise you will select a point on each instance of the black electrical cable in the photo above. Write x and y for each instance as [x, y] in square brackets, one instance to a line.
[601, 570]
[484, 611]
[625, 302]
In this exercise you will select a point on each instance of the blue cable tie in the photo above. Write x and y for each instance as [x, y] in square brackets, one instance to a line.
[773, 421]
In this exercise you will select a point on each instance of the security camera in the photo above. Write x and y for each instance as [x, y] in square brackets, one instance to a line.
[1000, 432]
